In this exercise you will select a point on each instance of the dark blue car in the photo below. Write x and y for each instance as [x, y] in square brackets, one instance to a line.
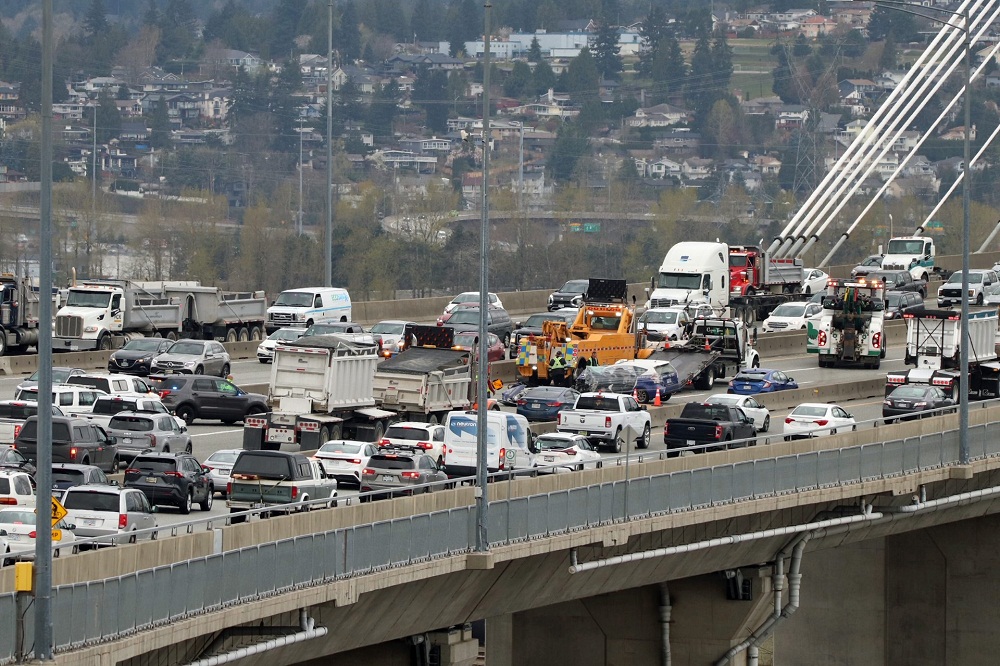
[641, 377]
[543, 403]
[760, 380]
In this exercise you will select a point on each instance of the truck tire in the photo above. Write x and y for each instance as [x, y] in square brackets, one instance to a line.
[324, 435]
[255, 333]
[707, 379]
[231, 335]
[172, 336]
[643, 441]
[616, 444]
[379, 430]
[979, 299]
[3, 342]
[104, 342]
[336, 431]
[244, 334]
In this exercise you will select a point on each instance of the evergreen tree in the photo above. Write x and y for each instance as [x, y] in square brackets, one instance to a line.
[432, 89]
[888, 58]
[159, 135]
[571, 144]
[109, 121]
[151, 17]
[383, 111]
[581, 76]
[606, 49]
[423, 22]
[123, 94]
[702, 76]
[284, 108]
[284, 24]
[535, 51]
[519, 81]
[542, 78]
[177, 26]
[349, 42]
[722, 64]
[653, 31]
[667, 69]
[95, 23]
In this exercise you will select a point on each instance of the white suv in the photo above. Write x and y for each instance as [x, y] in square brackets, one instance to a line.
[16, 489]
[72, 400]
[425, 436]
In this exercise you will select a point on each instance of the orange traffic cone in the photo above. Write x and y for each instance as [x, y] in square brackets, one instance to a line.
[635, 394]
[656, 401]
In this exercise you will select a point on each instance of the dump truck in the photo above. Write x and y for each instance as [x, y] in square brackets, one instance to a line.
[321, 388]
[428, 378]
[105, 314]
[20, 305]
[933, 347]
[604, 329]
[851, 327]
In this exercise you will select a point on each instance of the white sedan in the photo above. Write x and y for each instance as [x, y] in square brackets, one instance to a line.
[563, 451]
[665, 323]
[19, 524]
[791, 316]
[811, 419]
[344, 459]
[749, 404]
[814, 281]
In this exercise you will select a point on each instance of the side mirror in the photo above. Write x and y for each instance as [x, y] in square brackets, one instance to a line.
[642, 407]
[70, 526]
[3, 532]
[153, 509]
[113, 482]
[791, 379]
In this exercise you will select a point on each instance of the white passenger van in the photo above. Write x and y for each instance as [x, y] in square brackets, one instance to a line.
[508, 438]
[307, 306]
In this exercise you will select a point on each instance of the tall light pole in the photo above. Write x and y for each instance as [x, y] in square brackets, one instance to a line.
[966, 27]
[298, 221]
[328, 249]
[482, 492]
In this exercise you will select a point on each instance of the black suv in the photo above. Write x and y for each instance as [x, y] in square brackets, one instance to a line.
[896, 303]
[498, 322]
[73, 441]
[175, 479]
[570, 295]
[202, 397]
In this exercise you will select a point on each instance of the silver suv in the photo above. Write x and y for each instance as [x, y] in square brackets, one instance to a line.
[193, 357]
[142, 432]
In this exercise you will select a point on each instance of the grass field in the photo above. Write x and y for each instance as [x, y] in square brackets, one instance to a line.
[752, 85]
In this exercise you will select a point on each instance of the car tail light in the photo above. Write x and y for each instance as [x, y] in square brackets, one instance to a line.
[384, 442]
[822, 422]
[356, 461]
[8, 501]
[718, 432]
[131, 470]
[766, 385]
[163, 394]
[176, 475]
[888, 403]
[503, 456]
[368, 471]
[665, 429]
[152, 441]
[607, 421]
[521, 402]
[559, 418]
[789, 420]
[295, 492]
[229, 489]
[732, 383]
[32, 534]
[209, 468]
[72, 453]
[555, 404]
[17, 431]
[122, 521]
[424, 445]
[411, 475]
[570, 451]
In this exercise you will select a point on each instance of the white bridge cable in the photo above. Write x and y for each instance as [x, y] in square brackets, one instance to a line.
[831, 185]
[886, 119]
[899, 168]
[944, 67]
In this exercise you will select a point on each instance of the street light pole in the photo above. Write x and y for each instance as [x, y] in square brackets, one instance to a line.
[328, 244]
[298, 221]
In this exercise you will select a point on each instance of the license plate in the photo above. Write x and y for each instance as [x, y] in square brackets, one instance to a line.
[150, 479]
[583, 432]
[746, 387]
[338, 463]
[126, 440]
[550, 458]
[90, 522]
[286, 435]
[690, 442]
[13, 537]
[386, 477]
[535, 405]
[903, 404]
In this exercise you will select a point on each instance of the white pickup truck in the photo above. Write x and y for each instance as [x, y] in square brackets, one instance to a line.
[279, 480]
[605, 418]
[13, 414]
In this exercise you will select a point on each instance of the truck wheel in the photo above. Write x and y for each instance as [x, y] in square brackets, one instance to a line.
[923, 276]
[379, 430]
[642, 396]
[324, 435]
[433, 419]
[3, 343]
[707, 379]
[979, 299]
[255, 333]
[643, 442]
[244, 334]
[104, 342]
[616, 446]
[231, 335]
[336, 431]
[172, 336]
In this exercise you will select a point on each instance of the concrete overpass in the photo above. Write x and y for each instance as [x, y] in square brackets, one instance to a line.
[897, 526]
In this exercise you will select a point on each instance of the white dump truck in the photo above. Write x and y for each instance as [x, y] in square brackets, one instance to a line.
[105, 314]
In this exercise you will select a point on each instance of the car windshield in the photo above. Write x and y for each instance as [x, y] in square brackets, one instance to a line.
[974, 278]
[905, 246]
[893, 300]
[543, 393]
[133, 423]
[88, 299]
[872, 261]
[536, 320]
[907, 392]
[789, 310]
[544, 443]
[285, 335]
[59, 375]
[154, 464]
[295, 299]
[112, 407]
[386, 461]
[407, 433]
[750, 377]
[466, 340]
[654, 317]
[384, 328]
[809, 410]
[60, 430]
[142, 344]
[678, 281]
[575, 287]
[467, 297]
[341, 447]
[88, 500]
[723, 400]
[326, 329]
[187, 347]
[67, 477]
[225, 457]
[17, 517]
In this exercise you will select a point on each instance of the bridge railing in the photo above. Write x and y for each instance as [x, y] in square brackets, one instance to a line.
[103, 610]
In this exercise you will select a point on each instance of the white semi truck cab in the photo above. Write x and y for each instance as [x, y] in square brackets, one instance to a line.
[102, 314]
[910, 253]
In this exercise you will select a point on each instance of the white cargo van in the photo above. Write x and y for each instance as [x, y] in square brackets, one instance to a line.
[307, 306]
[508, 437]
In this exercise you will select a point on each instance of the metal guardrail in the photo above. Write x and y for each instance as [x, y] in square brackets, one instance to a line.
[102, 610]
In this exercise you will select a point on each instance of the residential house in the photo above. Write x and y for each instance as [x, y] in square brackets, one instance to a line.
[10, 106]
[134, 132]
[696, 168]
[472, 187]
[814, 26]
[791, 117]
[431, 146]
[239, 59]
[71, 109]
[664, 168]
[889, 80]
[661, 115]
[919, 167]
[958, 134]
[762, 105]
[129, 108]
[906, 141]
[678, 140]
[766, 165]
[409, 62]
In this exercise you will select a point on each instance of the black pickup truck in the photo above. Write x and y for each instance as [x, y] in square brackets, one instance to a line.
[701, 424]
[900, 281]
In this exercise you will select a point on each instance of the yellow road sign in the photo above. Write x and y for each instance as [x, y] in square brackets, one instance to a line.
[57, 535]
[58, 511]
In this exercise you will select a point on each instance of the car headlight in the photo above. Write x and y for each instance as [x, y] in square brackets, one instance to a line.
[299, 316]
[188, 364]
[550, 298]
[90, 329]
[972, 292]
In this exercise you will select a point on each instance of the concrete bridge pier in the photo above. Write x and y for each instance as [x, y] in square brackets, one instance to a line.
[625, 628]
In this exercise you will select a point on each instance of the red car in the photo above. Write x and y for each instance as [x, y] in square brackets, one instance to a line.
[467, 339]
